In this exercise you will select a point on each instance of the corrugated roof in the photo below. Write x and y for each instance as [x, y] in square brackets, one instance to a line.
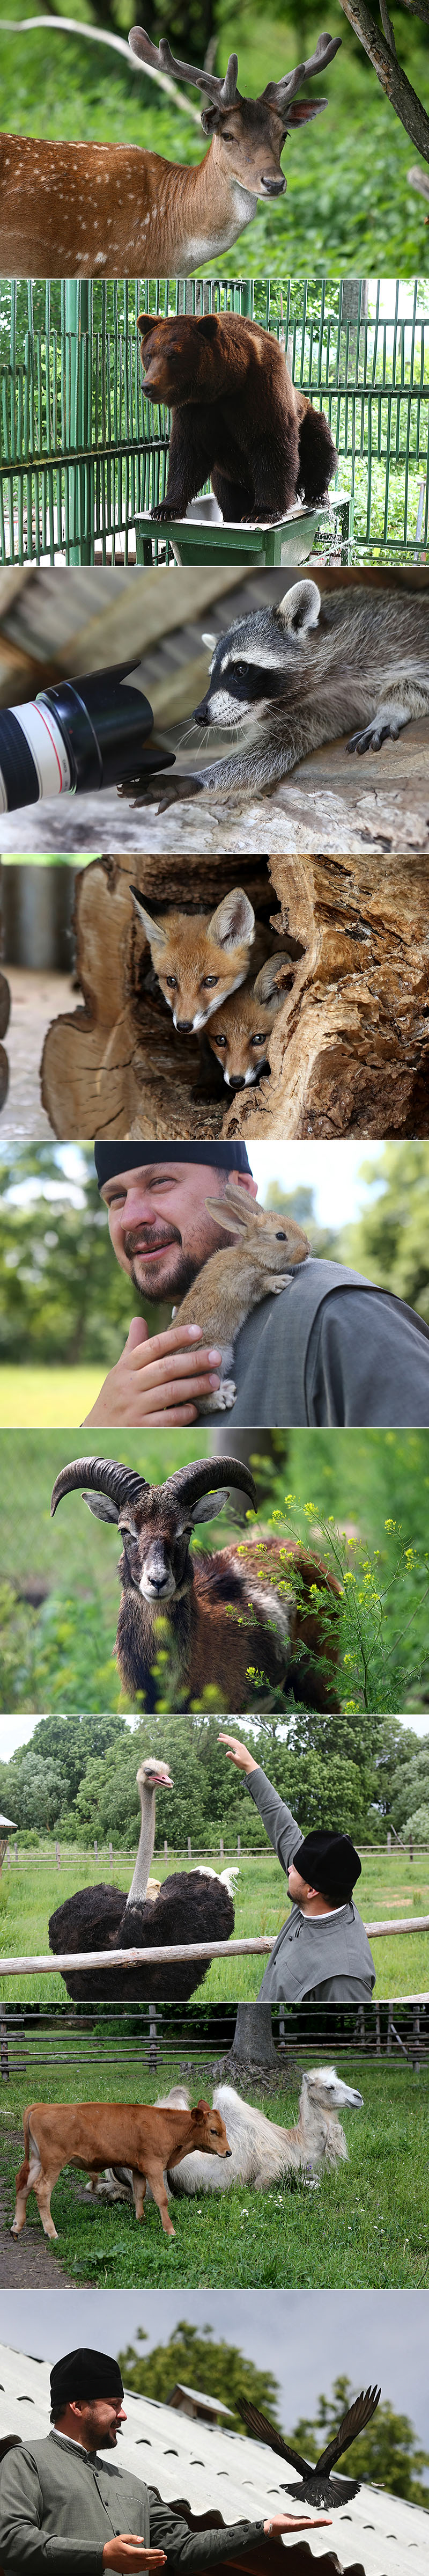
[210, 2465]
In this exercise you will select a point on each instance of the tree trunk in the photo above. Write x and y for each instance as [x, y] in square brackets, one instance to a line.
[253, 2053]
[404, 100]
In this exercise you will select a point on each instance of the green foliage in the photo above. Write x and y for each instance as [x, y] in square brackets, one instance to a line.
[217, 2369]
[62, 1293]
[390, 1241]
[388, 2454]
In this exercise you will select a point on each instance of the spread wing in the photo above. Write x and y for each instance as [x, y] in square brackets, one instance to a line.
[265, 2432]
[352, 2423]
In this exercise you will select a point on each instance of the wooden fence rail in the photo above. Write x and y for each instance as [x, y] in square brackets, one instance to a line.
[65, 1963]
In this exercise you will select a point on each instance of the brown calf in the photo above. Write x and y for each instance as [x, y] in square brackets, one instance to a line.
[91, 2135]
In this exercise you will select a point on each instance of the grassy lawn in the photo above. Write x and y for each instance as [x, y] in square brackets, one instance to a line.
[388, 1888]
[37, 1396]
[365, 2226]
[348, 203]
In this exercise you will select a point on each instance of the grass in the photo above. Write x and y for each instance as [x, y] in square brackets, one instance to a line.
[47, 1396]
[348, 205]
[388, 1888]
[364, 2227]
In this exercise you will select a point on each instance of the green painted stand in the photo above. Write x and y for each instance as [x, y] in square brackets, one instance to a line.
[287, 541]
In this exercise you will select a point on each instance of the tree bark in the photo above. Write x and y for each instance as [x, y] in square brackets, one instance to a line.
[408, 107]
[253, 2052]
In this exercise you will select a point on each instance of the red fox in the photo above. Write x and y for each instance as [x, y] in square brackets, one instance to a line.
[200, 959]
[240, 1031]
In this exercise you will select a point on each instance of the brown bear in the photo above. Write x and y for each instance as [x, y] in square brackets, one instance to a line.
[236, 416]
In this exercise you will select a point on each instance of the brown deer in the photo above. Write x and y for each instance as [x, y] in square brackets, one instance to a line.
[109, 210]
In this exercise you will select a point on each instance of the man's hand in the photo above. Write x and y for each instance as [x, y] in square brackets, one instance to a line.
[129, 2551]
[158, 1378]
[238, 1753]
[294, 2522]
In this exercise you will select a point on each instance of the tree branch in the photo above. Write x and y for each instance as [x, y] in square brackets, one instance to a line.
[390, 74]
[98, 36]
[386, 22]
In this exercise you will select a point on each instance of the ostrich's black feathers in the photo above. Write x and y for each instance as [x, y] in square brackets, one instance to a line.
[317, 2487]
[188, 1908]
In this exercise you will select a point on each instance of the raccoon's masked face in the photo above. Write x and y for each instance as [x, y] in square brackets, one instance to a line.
[251, 663]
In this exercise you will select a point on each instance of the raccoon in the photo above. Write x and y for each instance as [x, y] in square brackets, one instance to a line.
[296, 675]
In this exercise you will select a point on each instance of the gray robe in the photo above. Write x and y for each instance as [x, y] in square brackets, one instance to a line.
[331, 1349]
[59, 2505]
[326, 1958]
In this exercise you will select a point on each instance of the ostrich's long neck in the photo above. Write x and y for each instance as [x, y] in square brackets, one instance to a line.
[138, 1887]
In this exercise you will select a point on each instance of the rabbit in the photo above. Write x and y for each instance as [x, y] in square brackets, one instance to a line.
[268, 1247]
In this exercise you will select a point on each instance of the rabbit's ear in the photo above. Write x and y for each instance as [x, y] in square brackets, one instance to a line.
[234, 1218]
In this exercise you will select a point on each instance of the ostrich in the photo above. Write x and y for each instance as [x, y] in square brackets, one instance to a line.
[188, 1907]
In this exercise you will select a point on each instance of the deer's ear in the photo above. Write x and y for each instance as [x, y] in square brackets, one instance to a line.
[210, 118]
[305, 107]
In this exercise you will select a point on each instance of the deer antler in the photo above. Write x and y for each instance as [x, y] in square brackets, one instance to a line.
[161, 59]
[285, 90]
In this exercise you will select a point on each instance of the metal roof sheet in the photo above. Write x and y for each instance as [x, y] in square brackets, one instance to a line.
[205, 2463]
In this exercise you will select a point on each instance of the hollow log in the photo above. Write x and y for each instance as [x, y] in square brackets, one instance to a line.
[349, 1053]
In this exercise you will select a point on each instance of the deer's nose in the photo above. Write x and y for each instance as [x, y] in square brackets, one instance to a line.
[273, 187]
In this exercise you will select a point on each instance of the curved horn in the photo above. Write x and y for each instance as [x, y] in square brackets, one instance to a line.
[206, 1475]
[285, 90]
[161, 59]
[103, 1476]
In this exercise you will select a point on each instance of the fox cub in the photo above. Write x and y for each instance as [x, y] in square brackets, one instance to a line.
[267, 1247]
[200, 959]
[240, 1028]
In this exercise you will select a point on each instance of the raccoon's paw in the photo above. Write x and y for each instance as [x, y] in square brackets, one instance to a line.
[159, 791]
[383, 728]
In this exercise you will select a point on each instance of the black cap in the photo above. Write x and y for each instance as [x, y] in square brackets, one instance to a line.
[110, 1159]
[329, 1862]
[84, 2374]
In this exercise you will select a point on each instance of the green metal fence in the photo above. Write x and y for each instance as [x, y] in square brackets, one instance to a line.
[81, 452]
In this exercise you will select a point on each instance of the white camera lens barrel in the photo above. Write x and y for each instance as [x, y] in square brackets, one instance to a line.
[80, 736]
[33, 756]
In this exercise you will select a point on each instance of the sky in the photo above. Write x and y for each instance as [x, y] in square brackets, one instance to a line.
[305, 2337]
